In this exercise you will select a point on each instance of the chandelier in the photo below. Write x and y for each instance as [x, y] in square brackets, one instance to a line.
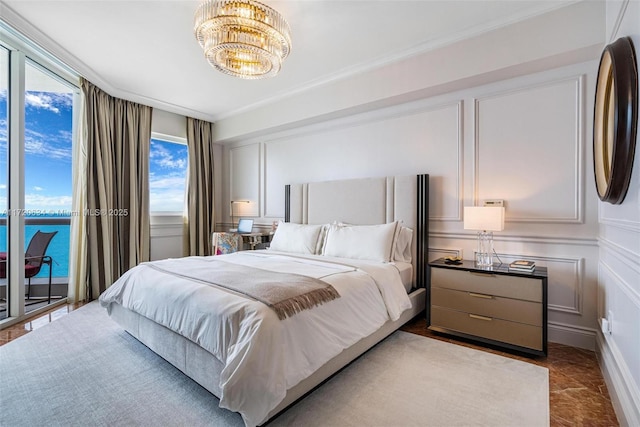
[242, 38]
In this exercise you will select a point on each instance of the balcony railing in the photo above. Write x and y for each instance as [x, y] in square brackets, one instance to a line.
[58, 250]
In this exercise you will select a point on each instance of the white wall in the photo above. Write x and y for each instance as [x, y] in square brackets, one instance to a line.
[619, 262]
[518, 130]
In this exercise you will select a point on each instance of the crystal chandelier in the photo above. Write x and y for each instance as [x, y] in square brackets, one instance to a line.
[242, 38]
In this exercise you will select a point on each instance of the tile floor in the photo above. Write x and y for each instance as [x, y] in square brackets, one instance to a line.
[578, 395]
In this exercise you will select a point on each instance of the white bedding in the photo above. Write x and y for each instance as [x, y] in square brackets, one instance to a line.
[264, 356]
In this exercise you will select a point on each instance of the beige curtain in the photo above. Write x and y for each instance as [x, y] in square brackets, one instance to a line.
[77, 290]
[199, 217]
[118, 134]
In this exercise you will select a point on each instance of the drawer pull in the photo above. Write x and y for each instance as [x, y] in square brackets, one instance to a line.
[471, 294]
[478, 273]
[475, 316]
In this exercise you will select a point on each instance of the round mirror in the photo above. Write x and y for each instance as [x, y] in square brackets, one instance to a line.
[615, 120]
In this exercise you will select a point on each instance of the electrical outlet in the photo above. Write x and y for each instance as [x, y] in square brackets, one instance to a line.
[606, 323]
[498, 203]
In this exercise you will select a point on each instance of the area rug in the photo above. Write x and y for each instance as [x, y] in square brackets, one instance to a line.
[84, 370]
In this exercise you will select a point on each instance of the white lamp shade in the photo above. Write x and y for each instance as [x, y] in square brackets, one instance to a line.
[485, 218]
[242, 208]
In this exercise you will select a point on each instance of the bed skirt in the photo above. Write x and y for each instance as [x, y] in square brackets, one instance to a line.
[204, 368]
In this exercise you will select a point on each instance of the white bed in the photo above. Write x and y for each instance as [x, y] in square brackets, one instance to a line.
[238, 348]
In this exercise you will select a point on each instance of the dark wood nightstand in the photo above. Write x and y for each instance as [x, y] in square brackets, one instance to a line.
[498, 306]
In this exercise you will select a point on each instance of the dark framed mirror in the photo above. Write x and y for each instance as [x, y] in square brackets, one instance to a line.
[615, 120]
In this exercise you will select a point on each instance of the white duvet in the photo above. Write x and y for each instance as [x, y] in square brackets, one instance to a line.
[263, 356]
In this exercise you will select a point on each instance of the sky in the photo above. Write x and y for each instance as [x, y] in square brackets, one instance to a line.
[48, 156]
[167, 176]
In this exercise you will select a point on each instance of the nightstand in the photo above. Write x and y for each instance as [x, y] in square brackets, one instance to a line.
[258, 240]
[498, 307]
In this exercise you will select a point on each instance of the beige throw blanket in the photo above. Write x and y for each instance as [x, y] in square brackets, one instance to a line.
[285, 293]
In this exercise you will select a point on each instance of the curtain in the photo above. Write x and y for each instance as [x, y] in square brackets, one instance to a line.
[118, 135]
[199, 216]
[78, 289]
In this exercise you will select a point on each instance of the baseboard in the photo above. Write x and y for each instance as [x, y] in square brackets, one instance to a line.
[624, 394]
[575, 336]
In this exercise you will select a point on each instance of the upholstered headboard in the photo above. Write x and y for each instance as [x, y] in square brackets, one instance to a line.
[367, 201]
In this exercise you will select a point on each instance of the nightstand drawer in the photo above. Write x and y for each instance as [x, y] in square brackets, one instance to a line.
[488, 283]
[487, 327]
[489, 305]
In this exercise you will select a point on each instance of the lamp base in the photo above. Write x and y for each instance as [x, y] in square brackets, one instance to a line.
[484, 253]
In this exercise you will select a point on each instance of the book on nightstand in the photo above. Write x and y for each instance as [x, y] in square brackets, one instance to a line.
[522, 265]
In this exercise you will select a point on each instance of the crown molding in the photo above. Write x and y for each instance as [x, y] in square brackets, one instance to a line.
[383, 61]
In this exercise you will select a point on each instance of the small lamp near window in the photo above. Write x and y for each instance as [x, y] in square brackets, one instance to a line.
[485, 220]
[239, 208]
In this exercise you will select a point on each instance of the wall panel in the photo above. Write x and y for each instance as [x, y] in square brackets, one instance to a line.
[528, 151]
[619, 261]
[244, 180]
[521, 140]
[428, 140]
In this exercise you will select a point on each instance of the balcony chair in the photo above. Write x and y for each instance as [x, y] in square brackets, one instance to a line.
[34, 257]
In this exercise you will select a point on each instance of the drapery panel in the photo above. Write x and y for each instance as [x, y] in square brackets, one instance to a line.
[118, 135]
[78, 289]
[199, 216]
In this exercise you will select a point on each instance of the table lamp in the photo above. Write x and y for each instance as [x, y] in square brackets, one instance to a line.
[485, 220]
[239, 208]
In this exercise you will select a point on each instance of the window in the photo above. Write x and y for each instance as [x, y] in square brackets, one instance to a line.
[168, 160]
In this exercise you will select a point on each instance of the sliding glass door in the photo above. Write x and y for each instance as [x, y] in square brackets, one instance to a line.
[37, 127]
[47, 164]
[4, 178]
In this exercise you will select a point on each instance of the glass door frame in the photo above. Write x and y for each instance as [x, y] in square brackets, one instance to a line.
[15, 187]
[21, 50]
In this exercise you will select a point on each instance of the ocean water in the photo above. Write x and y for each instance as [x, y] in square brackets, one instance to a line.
[58, 248]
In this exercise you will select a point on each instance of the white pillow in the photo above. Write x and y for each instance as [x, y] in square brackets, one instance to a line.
[402, 245]
[370, 242]
[296, 238]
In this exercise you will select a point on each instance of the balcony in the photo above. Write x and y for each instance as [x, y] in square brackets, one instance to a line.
[58, 250]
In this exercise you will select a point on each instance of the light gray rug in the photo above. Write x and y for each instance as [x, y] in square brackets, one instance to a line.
[83, 370]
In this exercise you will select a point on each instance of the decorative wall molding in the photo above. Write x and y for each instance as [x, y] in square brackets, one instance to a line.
[578, 82]
[460, 172]
[623, 285]
[616, 27]
[244, 175]
[501, 237]
[265, 190]
[572, 284]
[359, 119]
[575, 336]
[375, 118]
[624, 255]
[577, 267]
[624, 393]
[371, 66]
[622, 224]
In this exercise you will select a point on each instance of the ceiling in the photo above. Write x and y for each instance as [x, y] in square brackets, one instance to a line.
[145, 50]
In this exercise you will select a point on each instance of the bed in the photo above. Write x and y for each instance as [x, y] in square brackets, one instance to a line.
[360, 248]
